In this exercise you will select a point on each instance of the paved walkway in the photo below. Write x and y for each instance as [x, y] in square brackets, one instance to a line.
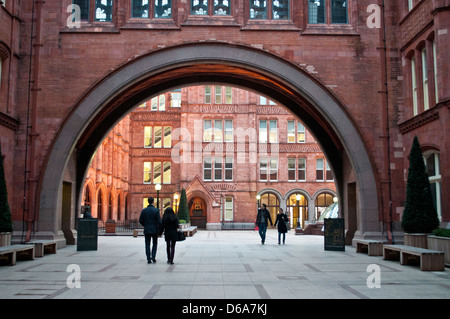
[218, 265]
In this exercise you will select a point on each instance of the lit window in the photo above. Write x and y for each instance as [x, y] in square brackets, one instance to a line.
[300, 133]
[291, 132]
[273, 132]
[167, 137]
[148, 136]
[228, 208]
[207, 131]
[158, 137]
[228, 130]
[228, 95]
[157, 172]
[147, 172]
[263, 131]
[167, 175]
[218, 135]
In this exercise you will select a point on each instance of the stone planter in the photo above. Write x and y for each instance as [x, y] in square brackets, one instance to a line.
[416, 240]
[110, 227]
[440, 244]
[5, 239]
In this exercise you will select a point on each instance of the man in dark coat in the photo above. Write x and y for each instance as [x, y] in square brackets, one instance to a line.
[151, 220]
[261, 221]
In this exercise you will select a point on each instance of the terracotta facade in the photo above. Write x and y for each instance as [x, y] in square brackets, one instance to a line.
[347, 73]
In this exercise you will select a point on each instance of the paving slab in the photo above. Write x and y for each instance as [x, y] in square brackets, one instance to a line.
[219, 265]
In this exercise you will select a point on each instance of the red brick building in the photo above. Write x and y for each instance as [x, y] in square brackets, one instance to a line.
[363, 76]
[222, 144]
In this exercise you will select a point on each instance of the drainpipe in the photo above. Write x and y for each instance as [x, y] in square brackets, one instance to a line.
[30, 171]
[385, 102]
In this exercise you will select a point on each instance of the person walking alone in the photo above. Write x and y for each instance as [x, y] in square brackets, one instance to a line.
[261, 221]
[281, 220]
[170, 225]
[151, 221]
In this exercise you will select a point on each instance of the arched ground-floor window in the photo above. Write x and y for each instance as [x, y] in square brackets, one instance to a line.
[273, 204]
[297, 210]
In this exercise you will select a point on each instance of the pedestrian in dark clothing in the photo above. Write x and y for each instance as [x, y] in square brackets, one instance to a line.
[261, 221]
[281, 220]
[170, 226]
[151, 220]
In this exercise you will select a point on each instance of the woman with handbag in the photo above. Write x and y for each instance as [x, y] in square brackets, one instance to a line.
[282, 221]
[170, 226]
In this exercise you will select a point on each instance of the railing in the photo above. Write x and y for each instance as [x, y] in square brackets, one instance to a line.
[122, 226]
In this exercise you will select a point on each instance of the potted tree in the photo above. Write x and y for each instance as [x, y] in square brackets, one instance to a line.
[183, 209]
[419, 216]
[5, 213]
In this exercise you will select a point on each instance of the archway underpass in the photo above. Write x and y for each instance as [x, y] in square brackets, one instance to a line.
[192, 64]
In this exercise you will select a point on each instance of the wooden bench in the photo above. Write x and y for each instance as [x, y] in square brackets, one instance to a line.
[190, 231]
[43, 246]
[430, 260]
[12, 251]
[371, 247]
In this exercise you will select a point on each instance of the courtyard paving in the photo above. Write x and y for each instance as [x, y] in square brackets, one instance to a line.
[219, 265]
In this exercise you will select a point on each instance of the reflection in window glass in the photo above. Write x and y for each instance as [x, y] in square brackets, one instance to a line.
[258, 9]
[316, 11]
[140, 9]
[199, 7]
[103, 10]
[280, 9]
[163, 9]
[222, 7]
[339, 11]
[84, 8]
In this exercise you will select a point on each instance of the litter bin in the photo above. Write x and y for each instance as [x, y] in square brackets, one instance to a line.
[87, 234]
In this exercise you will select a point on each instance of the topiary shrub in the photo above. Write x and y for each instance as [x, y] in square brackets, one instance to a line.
[420, 215]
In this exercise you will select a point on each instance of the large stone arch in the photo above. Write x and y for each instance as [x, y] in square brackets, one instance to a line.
[131, 83]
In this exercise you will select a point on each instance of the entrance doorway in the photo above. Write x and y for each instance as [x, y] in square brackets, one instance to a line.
[197, 212]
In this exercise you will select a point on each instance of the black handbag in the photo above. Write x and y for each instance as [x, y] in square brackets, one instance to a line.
[180, 235]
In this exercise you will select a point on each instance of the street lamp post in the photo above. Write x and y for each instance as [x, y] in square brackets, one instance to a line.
[158, 188]
[298, 197]
[258, 197]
